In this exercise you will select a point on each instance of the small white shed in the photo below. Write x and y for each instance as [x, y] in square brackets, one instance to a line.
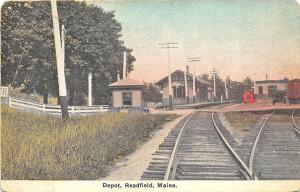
[127, 93]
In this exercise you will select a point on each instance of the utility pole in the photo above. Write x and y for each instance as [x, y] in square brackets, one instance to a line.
[63, 32]
[124, 65]
[194, 60]
[169, 46]
[118, 76]
[226, 91]
[186, 88]
[90, 89]
[59, 50]
[214, 74]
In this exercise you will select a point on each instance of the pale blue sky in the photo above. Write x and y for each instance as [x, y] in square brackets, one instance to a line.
[237, 37]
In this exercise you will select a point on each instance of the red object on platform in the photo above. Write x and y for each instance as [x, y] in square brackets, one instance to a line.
[294, 90]
[248, 97]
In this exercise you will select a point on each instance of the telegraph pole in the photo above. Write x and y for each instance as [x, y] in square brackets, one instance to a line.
[194, 60]
[213, 72]
[59, 50]
[169, 46]
[118, 76]
[90, 89]
[226, 91]
[63, 31]
[124, 65]
[186, 88]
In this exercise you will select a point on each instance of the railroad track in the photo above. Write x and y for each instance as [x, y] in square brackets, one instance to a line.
[296, 121]
[200, 148]
[198, 153]
[161, 158]
[270, 148]
[157, 168]
[216, 107]
[278, 153]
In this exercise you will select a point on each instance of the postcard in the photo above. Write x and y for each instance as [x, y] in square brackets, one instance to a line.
[129, 95]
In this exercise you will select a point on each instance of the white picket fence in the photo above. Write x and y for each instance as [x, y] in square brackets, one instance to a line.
[55, 109]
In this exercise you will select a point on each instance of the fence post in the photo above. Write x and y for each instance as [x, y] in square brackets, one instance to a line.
[101, 108]
[44, 107]
[73, 109]
[9, 101]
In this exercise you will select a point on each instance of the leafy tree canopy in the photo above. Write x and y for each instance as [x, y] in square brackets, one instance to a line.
[92, 44]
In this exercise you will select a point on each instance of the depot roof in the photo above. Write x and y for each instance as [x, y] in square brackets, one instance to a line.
[272, 81]
[128, 82]
[198, 79]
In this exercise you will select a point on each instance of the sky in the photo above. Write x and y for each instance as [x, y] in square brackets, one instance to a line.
[238, 38]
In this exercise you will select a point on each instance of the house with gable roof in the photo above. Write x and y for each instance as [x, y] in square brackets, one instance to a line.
[182, 94]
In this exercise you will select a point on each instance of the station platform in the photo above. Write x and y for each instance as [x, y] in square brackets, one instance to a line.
[201, 105]
[258, 106]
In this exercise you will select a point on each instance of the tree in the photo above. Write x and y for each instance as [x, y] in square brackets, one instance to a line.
[27, 52]
[152, 93]
[92, 44]
[248, 83]
[220, 89]
[235, 89]
[205, 77]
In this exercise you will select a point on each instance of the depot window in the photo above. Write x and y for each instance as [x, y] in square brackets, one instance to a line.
[127, 98]
[179, 92]
[260, 90]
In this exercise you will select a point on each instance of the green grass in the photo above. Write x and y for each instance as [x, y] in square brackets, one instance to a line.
[44, 147]
[242, 121]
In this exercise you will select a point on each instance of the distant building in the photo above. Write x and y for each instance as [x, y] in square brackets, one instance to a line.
[203, 89]
[266, 88]
[127, 93]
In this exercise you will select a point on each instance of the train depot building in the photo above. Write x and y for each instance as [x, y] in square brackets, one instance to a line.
[265, 89]
[127, 93]
[183, 92]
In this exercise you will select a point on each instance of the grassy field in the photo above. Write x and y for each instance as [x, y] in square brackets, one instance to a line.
[242, 121]
[44, 147]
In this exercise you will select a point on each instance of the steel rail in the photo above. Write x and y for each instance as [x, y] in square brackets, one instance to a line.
[254, 146]
[216, 106]
[296, 129]
[247, 169]
[172, 158]
[171, 169]
[223, 105]
[232, 151]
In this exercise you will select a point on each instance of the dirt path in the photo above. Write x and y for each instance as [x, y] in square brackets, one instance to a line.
[133, 166]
